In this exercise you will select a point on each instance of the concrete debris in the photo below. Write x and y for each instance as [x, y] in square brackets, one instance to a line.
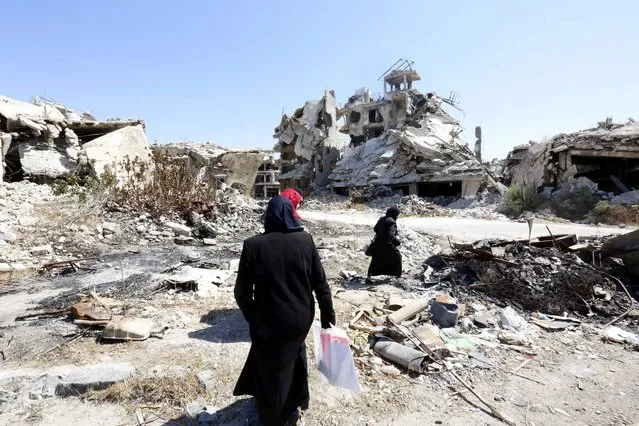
[310, 144]
[529, 278]
[204, 282]
[42, 250]
[45, 140]
[607, 155]
[76, 381]
[629, 198]
[112, 149]
[401, 139]
[251, 171]
[178, 229]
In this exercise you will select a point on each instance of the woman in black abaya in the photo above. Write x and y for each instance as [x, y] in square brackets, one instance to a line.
[385, 256]
[278, 274]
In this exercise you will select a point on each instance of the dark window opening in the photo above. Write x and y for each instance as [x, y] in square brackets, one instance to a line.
[357, 140]
[341, 191]
[328, 119]
[404, 188]
[13, 171]
[440, 189]
[298, 113]
[374, 116]
[375, 132]
[355, 117]
[608, 172]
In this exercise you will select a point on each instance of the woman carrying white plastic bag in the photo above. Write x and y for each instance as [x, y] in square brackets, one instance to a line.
[334, 357]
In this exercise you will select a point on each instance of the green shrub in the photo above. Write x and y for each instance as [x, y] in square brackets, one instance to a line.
[575, 205]
[519, 199]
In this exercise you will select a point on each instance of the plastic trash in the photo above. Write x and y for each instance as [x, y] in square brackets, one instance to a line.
[511, 320]
[334, 358]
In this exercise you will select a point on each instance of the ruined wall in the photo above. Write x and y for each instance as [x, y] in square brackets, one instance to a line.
[310, 143]
[552, 162]
[242, 169]
[237, 168]
[44, 140]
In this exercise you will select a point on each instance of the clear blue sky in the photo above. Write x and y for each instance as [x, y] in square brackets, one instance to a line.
[223, 71]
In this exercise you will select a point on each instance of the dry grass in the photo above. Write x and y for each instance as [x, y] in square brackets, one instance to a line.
[171, 392]
[615, 214]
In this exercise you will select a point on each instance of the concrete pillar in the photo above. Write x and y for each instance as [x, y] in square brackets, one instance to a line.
[470, 187]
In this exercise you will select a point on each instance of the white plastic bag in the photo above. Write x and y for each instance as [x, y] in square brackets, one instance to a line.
[334, 358]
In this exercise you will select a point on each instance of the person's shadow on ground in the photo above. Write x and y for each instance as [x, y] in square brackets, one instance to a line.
[239, 413]
[226, 326]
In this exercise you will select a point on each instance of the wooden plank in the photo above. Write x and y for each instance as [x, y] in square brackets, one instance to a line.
[408, 311]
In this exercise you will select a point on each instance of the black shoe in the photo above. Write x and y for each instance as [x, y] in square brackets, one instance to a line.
[369, 281]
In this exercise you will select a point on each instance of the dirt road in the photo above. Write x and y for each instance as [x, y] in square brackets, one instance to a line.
[467, 229]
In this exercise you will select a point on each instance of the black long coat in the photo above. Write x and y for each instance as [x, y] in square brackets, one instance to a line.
[278, 274]
[386, 258]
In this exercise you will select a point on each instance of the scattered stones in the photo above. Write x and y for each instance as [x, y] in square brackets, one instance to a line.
[41, 250]
[185, 241]
[110, 228]
[178, 229]
[208, 242]
[206, 379]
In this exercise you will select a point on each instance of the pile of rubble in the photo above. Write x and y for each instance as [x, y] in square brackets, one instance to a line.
[45, 140]
[310, 143]
[606, 155]
[530, 278]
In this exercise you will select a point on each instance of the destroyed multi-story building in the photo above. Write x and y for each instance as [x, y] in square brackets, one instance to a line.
[607, 155]
[310, 144]
[45, 140]
[401, 139]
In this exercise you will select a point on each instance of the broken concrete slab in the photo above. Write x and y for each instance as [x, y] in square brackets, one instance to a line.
[178, 229]
[41, 250]
[48, 162]
[110, 228]
[204, 282]
[77, 381]
[627, 198]
[110, 150]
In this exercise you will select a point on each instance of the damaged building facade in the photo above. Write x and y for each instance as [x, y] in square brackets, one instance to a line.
[401, 139]
[608, 155]
[310, 144]
[253, 172]
[44, 140]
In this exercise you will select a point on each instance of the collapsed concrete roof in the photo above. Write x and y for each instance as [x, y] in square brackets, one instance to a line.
[430, 153]
[46, 140]
[610, 149]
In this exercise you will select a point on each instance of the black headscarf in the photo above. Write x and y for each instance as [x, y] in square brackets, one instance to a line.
[279, 216]
[392, 212]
